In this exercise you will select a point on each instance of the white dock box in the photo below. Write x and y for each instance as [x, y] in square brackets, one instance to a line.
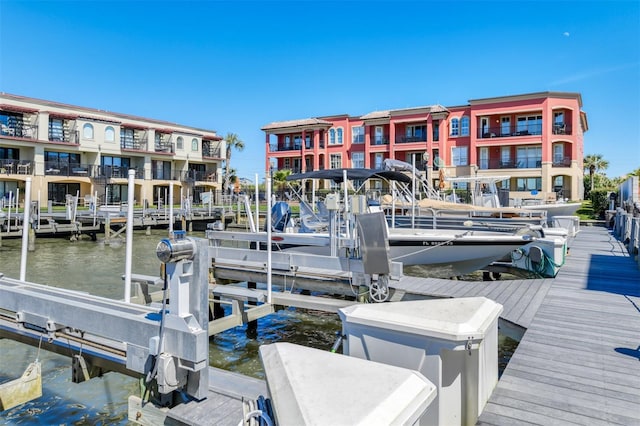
[452, 342]
[570, 223]
[313, 387]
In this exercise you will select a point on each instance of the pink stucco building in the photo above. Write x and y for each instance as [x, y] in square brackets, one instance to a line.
[535, 138]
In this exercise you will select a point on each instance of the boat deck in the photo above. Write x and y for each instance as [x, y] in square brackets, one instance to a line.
[578, 361]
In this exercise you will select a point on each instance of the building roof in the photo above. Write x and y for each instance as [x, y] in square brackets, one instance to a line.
[293, 124]
[525, 96]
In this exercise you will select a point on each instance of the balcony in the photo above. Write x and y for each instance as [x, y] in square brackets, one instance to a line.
[164, 147]
[561, 162]
[61, 168]
[500, 132]
[561, 129]
[411, 139]
[22, 131]
[524, 163]
[117, 172]
[284, 147]
[211, 152]
[380, 140]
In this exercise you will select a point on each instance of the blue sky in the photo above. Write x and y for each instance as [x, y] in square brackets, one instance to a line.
[236, 66]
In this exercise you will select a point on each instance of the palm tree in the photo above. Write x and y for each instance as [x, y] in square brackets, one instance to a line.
[594, 163]
[233, 142]
[635, 172]
[280, 178]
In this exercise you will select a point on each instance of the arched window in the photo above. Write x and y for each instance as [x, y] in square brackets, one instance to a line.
[194, 144]
[464, 126]
[455, 127]
[332, 136]
[87, 131]
[180, 143]
[339, 136]
[109, 134]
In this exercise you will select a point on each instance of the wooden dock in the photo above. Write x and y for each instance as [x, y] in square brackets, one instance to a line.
[579, 360]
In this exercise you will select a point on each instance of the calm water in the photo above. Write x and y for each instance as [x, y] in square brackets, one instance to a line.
[97, 268]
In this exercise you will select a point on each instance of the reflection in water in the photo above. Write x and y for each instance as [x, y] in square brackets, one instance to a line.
[97, 268]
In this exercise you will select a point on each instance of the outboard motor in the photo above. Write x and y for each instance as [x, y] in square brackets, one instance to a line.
[280, 216]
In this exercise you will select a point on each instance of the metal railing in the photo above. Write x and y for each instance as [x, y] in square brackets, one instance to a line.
[561, 162]
[410, 139]
[524, 163]
[521, 130]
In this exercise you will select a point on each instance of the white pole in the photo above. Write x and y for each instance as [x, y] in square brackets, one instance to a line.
[257, 191]
[313, 193]
[17, 200]
[268, 195]
[38, 225]
[129, 242]
[9, 212]
[170, 209]
[75, 205]
[393, 203]
[25, 230]
[413, 190]
[95, 207]
[346, 204]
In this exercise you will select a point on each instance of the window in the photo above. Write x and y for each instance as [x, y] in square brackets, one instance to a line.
[464, 126]
[558, 153]
[459, 155]
[332, 136]
[109, 134]
[529, 125]
[529, 184]
[335, 161]
[339, 136]
[416, 133]
[505, 156]
[484, 158]
[436, 131]
[455, 127]
[194, 144]
[357, 160]
[357, 134]
[307, 142]
[87, 131]
[297, 142]
[505, 126]
[56, 129]
[559, 127]
[378, 160]
[528, 157]
[126, 138]
[378, 138]
[287, 163]
[180, 143]
[287, 142]
[161, 169]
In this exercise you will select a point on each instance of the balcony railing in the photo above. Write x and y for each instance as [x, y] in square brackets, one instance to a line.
[117, 172]
[284, 147]
[410, 139]
[58, 135]
[211, 152]
[133, 144]
[562, 162]
[524, 163]
[61, 168]
[22, 131]
[16, 167]
[499, 132]
[561, 129]
[198, 176]
[380, 140]
[166, 147]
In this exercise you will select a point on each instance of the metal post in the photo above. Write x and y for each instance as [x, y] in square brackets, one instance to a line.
[257, 194]
[25, 230]
[268, 189]
[129, 242]
[170, 209]
[413, 190]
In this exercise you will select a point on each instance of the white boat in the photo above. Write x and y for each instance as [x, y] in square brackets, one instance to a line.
[484, 193]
